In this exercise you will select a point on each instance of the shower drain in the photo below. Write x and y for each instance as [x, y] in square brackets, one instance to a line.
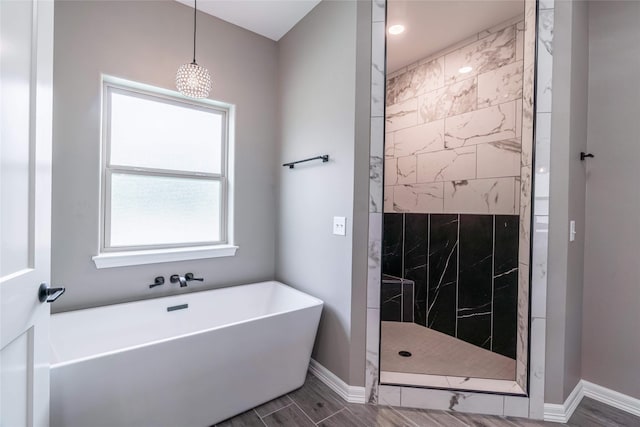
[404, 353]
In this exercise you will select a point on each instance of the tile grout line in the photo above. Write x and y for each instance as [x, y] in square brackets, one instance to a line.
[457, 274]
[395, 410]
[326, 418]
[493, 274]
[260, 418]
[301, 410]
[273, 412]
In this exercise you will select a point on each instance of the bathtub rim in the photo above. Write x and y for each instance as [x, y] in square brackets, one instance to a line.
[314, 302]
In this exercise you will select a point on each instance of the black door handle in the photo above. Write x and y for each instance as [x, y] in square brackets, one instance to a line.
[47, 294]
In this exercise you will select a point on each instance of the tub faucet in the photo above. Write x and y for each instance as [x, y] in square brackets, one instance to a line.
[177, 278]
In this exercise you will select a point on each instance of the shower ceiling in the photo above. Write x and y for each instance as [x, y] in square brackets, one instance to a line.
[434, 25]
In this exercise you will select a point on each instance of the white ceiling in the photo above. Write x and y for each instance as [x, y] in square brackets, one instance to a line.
[269, 18]
[433, 25]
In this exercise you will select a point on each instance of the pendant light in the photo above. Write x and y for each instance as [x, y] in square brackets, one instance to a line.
[192, 80]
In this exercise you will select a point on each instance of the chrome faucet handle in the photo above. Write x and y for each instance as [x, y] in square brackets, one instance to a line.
[175, 278]
[157, 282]
[189, 277]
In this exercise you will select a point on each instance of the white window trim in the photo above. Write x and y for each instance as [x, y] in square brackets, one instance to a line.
[110, 257]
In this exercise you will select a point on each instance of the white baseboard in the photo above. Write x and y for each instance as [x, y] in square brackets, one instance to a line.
[612, 398]
[349, 393]
[562, 413]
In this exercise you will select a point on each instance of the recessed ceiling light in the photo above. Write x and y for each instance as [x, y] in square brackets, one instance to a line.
[396, 29]
[465, 70]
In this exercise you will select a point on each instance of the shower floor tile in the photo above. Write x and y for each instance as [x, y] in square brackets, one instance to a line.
[438, 354]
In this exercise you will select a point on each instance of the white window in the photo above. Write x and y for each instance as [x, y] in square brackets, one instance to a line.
[165, 177]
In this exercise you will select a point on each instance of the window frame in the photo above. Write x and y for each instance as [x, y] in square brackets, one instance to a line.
[197, 250]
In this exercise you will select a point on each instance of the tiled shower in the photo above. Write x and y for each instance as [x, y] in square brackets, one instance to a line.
[454, 159]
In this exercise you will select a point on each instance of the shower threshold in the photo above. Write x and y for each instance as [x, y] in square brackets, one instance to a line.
[441, 361]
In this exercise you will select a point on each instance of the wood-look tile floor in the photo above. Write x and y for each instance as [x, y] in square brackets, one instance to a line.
[315, 404]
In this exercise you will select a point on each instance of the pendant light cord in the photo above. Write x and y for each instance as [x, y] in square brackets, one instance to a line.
[195, 11]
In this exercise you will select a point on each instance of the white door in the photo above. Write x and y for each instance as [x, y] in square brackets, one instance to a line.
[26, 69]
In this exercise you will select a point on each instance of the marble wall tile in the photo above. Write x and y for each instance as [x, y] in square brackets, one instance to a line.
[475, 278]
[392, 242]
[389, 395]
[498, 86]
[539, 266]
[546, 4]
[372, 366]
[543, 164]
[487, 54]
[545, 59]
[406, 170]
[502, 25]
[496, 159]
[378, 10]
[408, 297]
[515, 406]
[522, 337]
[374, 260]
[505, 285]
[416, 233]
[389, 144]
[520, 41]
[419, 198]
[391, 301]
[442, 273]
[484, 384]
[402, 115]
[377, 68]
[390, 171]
[375, 183]
[388, 198]
[538, 348]
[451, 100]
[496, 123]
[419, 139]
[480, 196]
[446, 400]
[419, 78]
[525, 214]
[447, 165]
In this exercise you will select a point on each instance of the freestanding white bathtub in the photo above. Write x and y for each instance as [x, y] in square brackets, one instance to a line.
[153, 363]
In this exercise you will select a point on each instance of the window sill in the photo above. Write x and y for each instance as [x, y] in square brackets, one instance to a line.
[154, 256]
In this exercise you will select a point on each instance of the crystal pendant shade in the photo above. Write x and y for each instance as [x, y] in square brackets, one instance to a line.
[193, 80]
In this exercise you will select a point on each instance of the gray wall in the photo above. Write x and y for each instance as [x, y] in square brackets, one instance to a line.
[146, 41]
[611, 329]
[318, 111]
[567, 200]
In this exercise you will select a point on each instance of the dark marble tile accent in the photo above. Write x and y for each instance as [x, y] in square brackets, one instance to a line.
[475, 279]
[505, 285]
[391, 301]
[416, 235]
[290, 416]
[246, 419]
[316, 399]
[273, 405]
[407, 301]
[392, 234]
[442, 273]
[381, 416]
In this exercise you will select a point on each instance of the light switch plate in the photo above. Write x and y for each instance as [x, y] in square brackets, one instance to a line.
[572, 231]
[339, 226]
